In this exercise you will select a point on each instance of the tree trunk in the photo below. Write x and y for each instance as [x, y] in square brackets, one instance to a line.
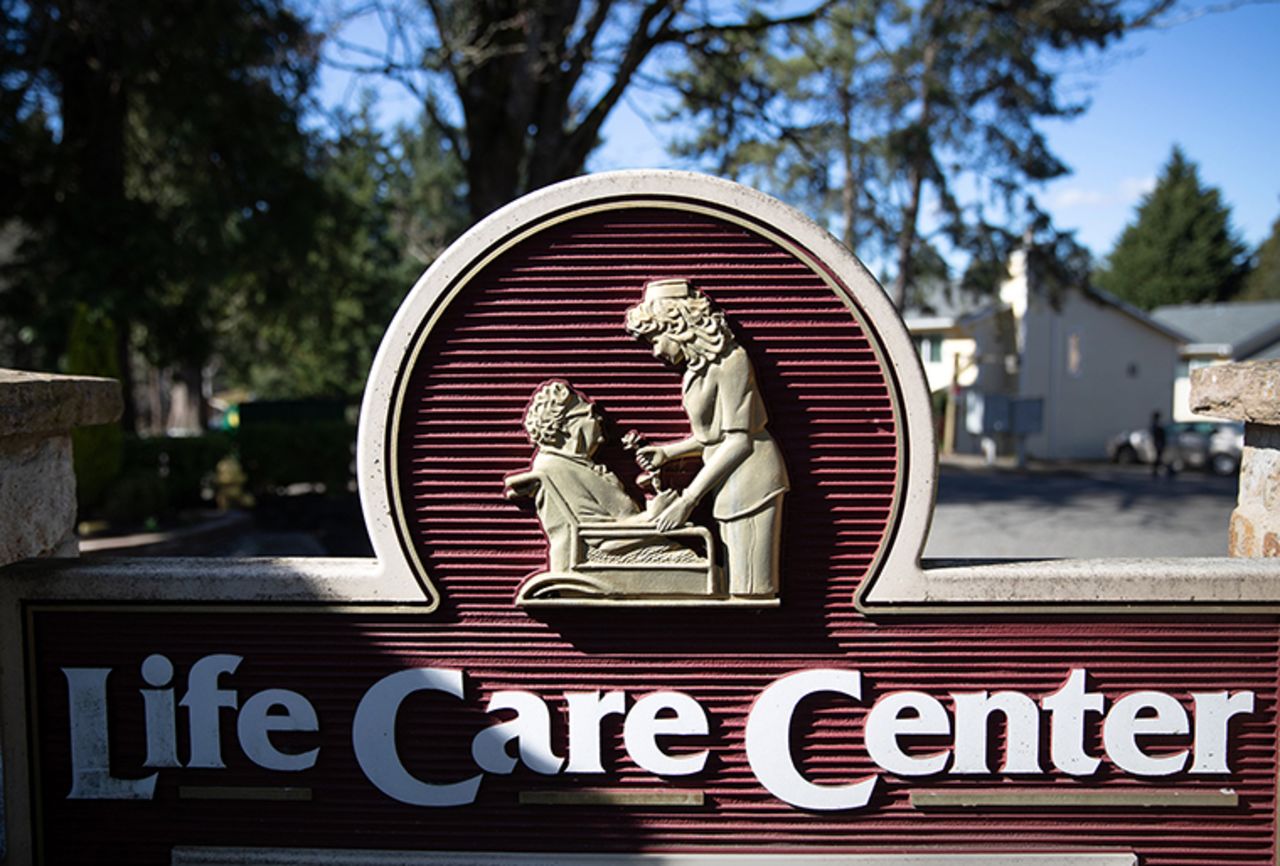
[93, 109]
[852, 173]
[919, 155]
[907, 235]
[124, 361]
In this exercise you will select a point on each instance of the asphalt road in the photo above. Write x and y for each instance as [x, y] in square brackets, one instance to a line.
[1082, 511]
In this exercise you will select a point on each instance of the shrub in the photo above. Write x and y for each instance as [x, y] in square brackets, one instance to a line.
[185, 464]
[96, 451]
[277, 454]
[136, 497]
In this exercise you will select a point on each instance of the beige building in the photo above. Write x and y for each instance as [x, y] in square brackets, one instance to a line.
[1095, 364]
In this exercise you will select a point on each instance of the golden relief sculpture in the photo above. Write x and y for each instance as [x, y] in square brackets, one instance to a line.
[602, 545]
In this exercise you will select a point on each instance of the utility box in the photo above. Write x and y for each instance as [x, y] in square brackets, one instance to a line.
[993, 414]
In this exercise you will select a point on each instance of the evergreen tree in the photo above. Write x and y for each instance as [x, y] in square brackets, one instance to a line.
[153, 164]
[875, 112]
[392, 204]
[1263, 282]
[1181, 247]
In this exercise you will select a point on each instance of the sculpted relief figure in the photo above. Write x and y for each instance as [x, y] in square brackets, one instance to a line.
[742, 468]
[601, 545]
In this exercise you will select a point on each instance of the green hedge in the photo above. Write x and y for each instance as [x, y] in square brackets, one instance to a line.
[185, 464]
[97, 452]
[163, 475]
[277, 454]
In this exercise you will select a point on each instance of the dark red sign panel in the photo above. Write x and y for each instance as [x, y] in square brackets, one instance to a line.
[334, 660]
[628, 716]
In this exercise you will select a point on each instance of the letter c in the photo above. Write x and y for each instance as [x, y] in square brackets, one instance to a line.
[769, 741]
[373, 734]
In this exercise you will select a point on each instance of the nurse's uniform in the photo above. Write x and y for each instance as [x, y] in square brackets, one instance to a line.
[720, 398]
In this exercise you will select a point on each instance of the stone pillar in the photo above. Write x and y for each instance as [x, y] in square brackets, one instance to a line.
[1249, 392]
[37, 484]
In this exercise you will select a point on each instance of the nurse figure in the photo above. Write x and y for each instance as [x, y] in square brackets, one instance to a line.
[742, 466]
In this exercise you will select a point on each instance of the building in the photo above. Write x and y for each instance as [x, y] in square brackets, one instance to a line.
[1218, 334]
[1095, 364]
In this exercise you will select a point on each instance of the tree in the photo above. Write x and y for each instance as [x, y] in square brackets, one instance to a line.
[1180, 248]
[520, 89]
[873, 111]
[1263, 282]
[152, 159]
[392, 207]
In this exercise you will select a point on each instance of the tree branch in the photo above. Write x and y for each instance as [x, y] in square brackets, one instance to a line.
[1150, 18]
[642, 42]
[583, 50]
[446, 46]
[451, 133]
[753, 26]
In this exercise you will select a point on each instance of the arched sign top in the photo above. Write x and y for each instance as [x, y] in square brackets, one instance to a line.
[582, 341]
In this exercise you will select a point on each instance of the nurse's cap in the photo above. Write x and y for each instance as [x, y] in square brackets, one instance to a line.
[656, 289]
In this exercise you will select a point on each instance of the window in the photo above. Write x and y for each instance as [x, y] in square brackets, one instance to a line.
[1074, 358]
[930, 348]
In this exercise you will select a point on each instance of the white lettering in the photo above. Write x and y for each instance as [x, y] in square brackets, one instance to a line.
[530, 729]
[886, 722]
[91, 777]
[162, 743]
[1213, 718]
[973, 715]
[373, 736]
[682, 716]
[203, 700]
[1138, 714]
[768, 739]
[961, 741]
[1068, 707]
[256, 722]
[586, 711]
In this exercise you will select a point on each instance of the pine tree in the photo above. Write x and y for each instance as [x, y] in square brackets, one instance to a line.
[1263, 282]
[874, 114]
[1181, 248]
[153, 160]
[393, 202]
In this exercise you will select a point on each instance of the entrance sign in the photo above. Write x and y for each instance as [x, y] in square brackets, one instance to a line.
[647, 462]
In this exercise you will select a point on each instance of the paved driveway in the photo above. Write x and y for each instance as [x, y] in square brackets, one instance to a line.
[1082, 511]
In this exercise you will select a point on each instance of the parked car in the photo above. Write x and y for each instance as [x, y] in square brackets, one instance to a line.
[1210, 445]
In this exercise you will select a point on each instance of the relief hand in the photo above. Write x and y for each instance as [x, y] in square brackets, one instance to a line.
[676, 514]
[651, 457]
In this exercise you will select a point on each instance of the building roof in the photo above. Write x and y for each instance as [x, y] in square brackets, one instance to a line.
[1097, 295]
[1247, 328]
[941, 305]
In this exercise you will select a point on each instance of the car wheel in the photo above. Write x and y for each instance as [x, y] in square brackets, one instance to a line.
[1126, 456]
[1223, 464]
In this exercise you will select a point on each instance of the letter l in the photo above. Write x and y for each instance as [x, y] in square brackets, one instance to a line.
[91, 777]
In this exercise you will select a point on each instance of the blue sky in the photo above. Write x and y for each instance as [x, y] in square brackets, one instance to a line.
[1211, 84]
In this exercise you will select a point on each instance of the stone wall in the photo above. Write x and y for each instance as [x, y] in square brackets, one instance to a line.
[1249, 392]
[37, 484]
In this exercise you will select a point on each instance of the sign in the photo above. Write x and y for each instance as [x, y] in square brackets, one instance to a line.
[647, 463]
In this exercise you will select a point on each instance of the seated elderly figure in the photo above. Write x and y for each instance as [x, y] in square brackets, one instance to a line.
[571, 489]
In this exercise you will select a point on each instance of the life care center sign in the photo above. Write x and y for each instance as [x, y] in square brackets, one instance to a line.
[647, 460]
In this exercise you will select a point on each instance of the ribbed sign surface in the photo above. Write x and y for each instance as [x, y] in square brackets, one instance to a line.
[624, 718]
